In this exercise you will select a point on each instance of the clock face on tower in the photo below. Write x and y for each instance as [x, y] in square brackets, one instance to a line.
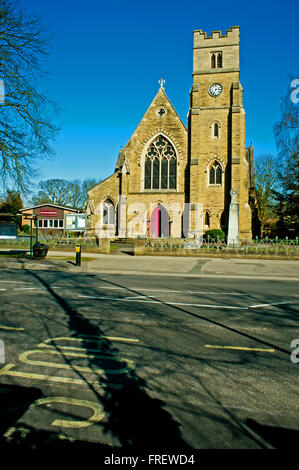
[215, 89]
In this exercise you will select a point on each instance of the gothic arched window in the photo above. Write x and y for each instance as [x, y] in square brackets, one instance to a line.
[219, 59]
[213, 61]
[215, 131]
[108, 212]
[160, 168]
[215, 176]
[207, 219]
[216, 60]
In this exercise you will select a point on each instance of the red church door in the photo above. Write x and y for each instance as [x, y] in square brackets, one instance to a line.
[159, 225]
[156, 223]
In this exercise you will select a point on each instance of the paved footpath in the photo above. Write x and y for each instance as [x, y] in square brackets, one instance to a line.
[167, 265]
[193, 267]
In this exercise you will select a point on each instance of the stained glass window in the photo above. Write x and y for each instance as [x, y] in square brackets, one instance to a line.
[172, 173]
[147, 173]
[164, 173]
[156, 171]
[160, 168]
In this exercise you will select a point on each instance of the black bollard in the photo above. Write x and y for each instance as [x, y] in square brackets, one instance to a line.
[78, 255]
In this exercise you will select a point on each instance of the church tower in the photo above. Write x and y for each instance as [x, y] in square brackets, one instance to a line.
[218, 160]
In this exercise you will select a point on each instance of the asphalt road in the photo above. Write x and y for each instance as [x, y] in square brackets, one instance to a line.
[152, 362]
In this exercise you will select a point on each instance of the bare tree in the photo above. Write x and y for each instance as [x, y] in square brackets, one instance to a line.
[26, 115]
[63, 192]
[287, 139]
[58, 191]
[87, 184]
[266, 182]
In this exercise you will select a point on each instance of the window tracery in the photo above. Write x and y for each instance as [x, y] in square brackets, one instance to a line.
[160, 168]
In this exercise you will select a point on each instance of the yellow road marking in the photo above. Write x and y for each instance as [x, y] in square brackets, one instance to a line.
[6, 370]
[240, 348]
[24, 358]
[73, 348]
[98, 412]
[13, 328]
[84, 338]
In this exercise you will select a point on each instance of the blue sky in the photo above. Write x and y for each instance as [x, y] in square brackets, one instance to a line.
[107, 57]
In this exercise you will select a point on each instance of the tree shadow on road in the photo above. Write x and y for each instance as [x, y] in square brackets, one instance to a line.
[132, 416]
[279, 437]
[14, 401]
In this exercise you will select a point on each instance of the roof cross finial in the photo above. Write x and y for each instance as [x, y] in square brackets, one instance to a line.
[161, 81]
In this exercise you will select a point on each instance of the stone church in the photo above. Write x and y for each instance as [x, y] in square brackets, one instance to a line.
[176, 181]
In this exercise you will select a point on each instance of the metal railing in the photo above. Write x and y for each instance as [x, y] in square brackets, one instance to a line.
[266, 246]
[67, 241]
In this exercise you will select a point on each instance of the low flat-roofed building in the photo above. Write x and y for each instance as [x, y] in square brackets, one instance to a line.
[50, 217]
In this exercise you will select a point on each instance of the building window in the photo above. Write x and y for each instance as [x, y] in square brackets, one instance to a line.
[50, 223]
[219, 60]
[223, 222]
[213, 61]
[108, 212]
[160, 168]
[215, 130]
[147, 173]
[207, 219]
[215, 173]
[216, 60]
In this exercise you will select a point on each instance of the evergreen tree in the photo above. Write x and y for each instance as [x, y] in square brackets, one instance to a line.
[11, 205]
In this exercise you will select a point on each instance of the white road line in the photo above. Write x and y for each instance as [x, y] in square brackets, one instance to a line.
[216, 293]
[17, 282]
[137, 297]
[274, 303]
[28, 288]
[160, 302]
[169, 291]
[3, 289]
[42, 288]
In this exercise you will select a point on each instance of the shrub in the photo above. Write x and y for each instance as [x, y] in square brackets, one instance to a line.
[26, 228]
[214, 234]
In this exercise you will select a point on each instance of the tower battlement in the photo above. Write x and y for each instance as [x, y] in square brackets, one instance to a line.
[216, 38]
[227, 45]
